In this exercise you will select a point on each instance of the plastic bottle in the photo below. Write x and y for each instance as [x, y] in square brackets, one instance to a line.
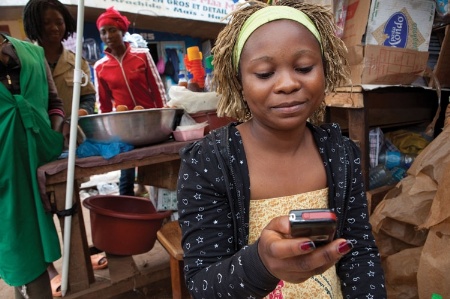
[192, 85]
[379, 176]
[193, 62]
[209, 82]
[394, 158]
[397, 174]
[182, 81]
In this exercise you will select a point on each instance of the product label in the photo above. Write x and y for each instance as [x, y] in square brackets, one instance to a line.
[396, 30]
[392, 159]
[404, 24]
[399, 31]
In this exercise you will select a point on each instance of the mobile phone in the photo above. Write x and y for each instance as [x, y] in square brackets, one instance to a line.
[319, 225]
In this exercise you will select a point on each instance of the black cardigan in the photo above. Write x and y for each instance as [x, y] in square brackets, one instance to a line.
[213, 204]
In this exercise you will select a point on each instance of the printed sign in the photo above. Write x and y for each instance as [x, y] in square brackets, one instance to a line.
[201, 10]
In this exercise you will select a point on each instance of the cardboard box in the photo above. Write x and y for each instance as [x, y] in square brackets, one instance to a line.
[402, 23]
[375, 64]
[163, 199]
[442, 67]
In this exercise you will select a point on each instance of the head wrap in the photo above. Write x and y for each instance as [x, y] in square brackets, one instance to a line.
[113, 18]
[266, 15]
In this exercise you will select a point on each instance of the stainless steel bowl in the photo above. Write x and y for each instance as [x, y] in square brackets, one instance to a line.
[135, 127]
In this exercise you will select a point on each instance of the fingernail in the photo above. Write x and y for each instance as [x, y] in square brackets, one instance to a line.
[307, 246]
[345, 247]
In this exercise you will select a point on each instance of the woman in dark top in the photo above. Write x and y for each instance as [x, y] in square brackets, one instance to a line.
[273, 66]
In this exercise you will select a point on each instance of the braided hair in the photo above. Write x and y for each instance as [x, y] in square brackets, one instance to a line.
[32, 18]
[228, 80]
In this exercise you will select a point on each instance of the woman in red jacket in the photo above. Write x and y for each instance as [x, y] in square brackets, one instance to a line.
[125, 76]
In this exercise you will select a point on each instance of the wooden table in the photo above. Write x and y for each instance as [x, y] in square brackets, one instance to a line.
[359, 108]
[157, 166]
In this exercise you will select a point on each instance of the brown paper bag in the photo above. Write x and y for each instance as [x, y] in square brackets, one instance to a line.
[434, 266]
[414, 218]
[433, 275]
[401, 273]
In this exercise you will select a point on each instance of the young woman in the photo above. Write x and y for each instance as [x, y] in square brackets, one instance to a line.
[126, 77]
[273, 66]
[49, 23]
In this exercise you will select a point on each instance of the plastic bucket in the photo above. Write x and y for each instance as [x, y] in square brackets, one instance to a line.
[123, 225]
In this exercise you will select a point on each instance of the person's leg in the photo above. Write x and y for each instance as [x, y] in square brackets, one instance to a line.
[126, 182]
[141, 191]
[55, 280]
[36, 289]
[52, 272]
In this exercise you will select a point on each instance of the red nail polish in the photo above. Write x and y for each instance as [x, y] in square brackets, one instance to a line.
[307, 246]
[345, 247]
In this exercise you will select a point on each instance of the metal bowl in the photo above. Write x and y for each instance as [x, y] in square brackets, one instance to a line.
[135, 127]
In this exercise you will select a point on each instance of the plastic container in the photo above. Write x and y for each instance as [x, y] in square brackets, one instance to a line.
[182, 80]
[209, 83]
[187, 135]
[192, 85]
[209, 62]
[213, 120]
[123, 225]
[194, 53]
[394, 158]
[379, 176]
[193, 62]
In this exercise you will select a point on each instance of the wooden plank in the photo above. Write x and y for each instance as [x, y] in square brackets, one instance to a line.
[359, 131]
[105, 289]
[121, 267]
[354, 88]
[345, 99]
[161, 175]
[82, 172]
[151, 267]
[81, 274]
[170, 238]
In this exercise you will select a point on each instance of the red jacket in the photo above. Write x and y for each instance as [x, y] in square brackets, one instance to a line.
[131, 81]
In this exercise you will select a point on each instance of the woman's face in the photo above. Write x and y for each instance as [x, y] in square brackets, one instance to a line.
[54, 26]
[111, 36]
[282, 74]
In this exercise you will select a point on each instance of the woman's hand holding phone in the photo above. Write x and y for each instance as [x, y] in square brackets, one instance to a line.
[319, 225]
[296, 259]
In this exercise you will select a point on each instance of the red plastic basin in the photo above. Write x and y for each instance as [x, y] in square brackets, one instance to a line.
[123, 225]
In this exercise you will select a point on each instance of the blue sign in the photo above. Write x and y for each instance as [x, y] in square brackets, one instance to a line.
[396, 29]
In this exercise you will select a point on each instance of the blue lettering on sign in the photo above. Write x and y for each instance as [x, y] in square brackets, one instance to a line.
[396, 29]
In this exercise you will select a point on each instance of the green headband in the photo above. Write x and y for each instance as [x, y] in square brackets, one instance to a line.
[266, 15]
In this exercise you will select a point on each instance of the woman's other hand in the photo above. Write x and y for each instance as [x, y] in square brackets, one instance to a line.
[296, 259]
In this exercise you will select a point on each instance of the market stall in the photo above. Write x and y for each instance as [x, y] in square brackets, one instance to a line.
[123, 272]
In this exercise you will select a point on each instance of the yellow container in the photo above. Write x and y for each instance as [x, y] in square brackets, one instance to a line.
[194, 53]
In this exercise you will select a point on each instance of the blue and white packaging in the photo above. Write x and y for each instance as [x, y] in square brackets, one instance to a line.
[403, 24]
